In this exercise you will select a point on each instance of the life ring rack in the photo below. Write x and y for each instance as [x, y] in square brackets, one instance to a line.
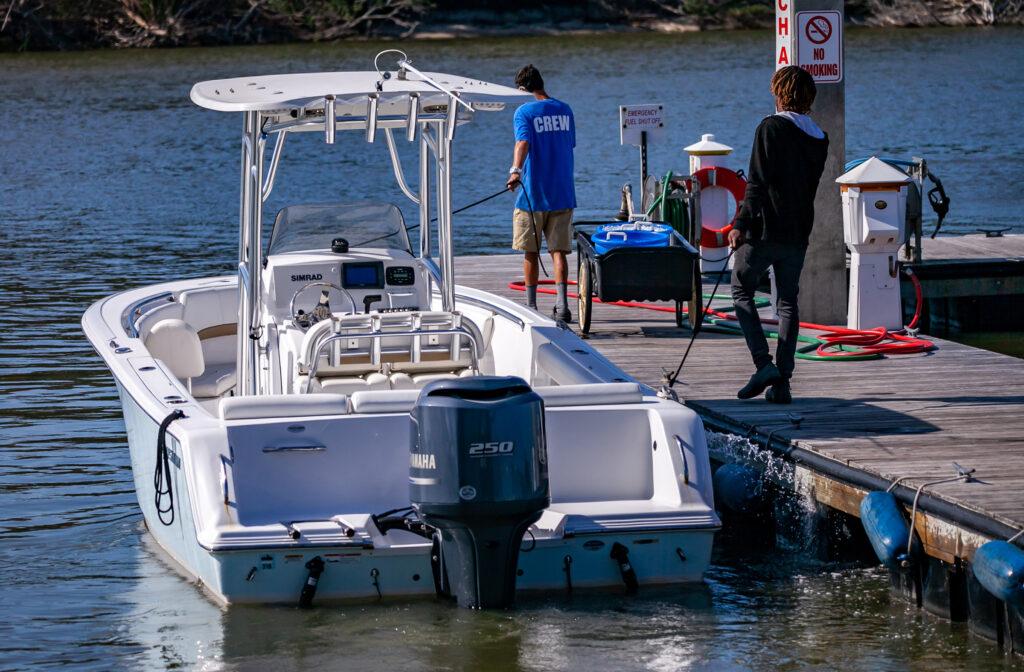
[718, 176]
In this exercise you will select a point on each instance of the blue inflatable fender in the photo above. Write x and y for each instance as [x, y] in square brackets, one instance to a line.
[739, 488]
[999, 568]
[887, 529]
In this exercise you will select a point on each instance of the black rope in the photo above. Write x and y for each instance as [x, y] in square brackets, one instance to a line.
[536, 235]
[434, 219]
[671, 379]
[162, 474]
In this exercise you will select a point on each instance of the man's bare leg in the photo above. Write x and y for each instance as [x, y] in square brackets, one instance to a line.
[531, 273]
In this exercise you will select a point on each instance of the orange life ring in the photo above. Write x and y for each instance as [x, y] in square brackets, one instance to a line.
[737, 186]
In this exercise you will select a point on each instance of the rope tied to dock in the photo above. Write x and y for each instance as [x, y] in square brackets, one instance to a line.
[963, 474]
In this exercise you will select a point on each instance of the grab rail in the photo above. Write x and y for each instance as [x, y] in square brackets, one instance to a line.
[134, 311]
[460, 331]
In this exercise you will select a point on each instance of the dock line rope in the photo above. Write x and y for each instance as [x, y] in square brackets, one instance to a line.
[162, 474]
[966, 475]
[671, 379]
[434, 219]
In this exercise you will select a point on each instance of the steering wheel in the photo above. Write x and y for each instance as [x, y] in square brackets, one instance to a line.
[306, 320]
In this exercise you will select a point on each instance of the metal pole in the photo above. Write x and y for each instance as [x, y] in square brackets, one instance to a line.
[424, 187]
[643, 166]
[444, 216]
[268, 184]
[244, 230]
[449, 280]
[255, 253]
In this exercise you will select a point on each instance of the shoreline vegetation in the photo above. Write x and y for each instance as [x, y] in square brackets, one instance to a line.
[87, 24]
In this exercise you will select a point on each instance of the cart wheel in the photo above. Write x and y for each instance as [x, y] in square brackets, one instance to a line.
[679, 314]
[585, 299]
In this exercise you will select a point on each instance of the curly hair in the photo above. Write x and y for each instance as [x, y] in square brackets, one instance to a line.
[794, 88]
[529, 79]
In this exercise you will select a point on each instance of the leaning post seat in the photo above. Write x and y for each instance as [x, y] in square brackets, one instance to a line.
[381, 351]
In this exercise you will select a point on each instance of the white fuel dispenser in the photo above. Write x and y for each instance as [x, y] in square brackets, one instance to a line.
[874, 227]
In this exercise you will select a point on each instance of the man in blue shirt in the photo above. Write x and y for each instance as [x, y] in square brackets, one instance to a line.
[542, 162]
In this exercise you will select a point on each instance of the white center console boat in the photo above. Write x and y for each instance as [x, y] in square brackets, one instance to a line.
[340, 418]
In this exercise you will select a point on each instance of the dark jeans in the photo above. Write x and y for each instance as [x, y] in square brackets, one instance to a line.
[750, 263]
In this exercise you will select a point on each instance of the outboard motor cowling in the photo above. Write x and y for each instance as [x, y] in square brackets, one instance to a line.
[478, 473]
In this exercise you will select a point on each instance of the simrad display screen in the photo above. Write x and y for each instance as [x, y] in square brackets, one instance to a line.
[363, 275]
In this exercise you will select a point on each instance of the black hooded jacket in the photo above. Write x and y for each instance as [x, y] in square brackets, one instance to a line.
[785, 166]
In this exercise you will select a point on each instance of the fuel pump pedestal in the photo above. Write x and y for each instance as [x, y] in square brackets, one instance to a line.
[874, 227]
[715, 213]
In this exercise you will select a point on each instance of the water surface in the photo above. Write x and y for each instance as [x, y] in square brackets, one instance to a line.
[110, 178]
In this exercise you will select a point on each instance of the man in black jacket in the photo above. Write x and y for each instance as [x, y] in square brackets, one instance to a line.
[774, 225]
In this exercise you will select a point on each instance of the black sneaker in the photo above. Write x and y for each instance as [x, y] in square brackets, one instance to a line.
[779, 393]
[562, 314]
[765, 376]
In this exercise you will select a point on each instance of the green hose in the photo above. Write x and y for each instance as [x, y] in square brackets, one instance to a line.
[675, 214]
[721, 325]
[673, 211]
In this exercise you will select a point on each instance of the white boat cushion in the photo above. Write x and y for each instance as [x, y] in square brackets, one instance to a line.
[384, 401]
[209, 306]
[590, 395]
[217, 380]
[401, 400]
[283, 406]
[175, 343]
[402, 381]
[373, 381]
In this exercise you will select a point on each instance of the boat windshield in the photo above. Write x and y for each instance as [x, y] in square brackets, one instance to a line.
[361, 223]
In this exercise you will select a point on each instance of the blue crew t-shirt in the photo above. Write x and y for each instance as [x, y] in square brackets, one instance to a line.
[549, 127]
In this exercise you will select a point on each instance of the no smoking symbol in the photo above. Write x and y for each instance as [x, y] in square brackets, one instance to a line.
[818, 29]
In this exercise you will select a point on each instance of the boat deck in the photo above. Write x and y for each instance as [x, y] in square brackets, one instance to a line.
[907, 417]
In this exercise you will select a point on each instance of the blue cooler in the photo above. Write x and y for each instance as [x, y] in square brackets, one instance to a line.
[610, 237]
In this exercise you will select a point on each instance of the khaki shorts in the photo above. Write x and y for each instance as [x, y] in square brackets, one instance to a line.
[555, 224]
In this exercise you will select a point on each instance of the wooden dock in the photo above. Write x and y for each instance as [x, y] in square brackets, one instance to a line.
[864, 424]
[971, 266]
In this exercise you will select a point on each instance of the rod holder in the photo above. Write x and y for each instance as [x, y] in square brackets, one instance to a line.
[414, 114]
[452, 118]
[373, 100]
[329, 117]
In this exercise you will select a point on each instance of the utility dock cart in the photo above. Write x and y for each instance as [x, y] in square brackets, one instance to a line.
[667, 273]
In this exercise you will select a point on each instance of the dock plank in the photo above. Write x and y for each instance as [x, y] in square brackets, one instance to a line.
[972, 247]
[906, 416]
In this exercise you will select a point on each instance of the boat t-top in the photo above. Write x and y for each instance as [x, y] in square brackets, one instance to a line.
[338, 418]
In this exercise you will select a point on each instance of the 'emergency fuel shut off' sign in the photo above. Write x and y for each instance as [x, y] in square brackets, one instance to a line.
[637, 119]
[812, 39]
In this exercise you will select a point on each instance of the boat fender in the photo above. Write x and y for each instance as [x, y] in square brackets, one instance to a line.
[717, 176]
[162, 474]
[739, 488]
[316, 568]
[620, 554]
[999, 567]
[887, 529]
[567, 568]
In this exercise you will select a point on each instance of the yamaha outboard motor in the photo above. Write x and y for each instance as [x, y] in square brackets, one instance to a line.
[478, 472]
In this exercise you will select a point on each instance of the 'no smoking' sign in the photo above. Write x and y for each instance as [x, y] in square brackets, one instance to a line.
[819, 48]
